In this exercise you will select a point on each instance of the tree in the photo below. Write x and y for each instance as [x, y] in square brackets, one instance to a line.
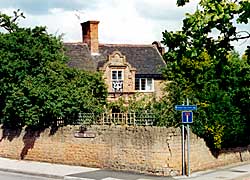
[36, 86]
[204, 68]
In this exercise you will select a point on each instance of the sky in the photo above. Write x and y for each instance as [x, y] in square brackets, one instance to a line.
[121, 21]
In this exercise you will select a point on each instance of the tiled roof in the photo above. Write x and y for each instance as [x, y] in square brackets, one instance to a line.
[145, 58]
[80, 56]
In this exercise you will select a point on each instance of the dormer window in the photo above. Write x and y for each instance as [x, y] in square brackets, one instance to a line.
[144, 84]
[117, 80]
[117, 75]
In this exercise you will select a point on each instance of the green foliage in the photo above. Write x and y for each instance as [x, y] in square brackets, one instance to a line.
[206, 70]
[36, 86]
[141, 104]
[182, 2]
[216, 131]
[136, 103]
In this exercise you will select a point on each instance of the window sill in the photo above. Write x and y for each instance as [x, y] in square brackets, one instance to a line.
[145, 91]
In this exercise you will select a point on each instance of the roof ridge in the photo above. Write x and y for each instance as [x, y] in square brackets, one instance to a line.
[112, 45]
[126, 45]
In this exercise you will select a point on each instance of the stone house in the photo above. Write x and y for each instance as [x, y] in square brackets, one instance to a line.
[127, 68]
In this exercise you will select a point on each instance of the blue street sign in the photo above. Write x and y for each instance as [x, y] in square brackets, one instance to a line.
[187, 117]
[186, 107]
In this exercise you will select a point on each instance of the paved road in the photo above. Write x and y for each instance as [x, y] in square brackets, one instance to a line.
[246, 177]
[113, 175]
[41, 170]
[237, 172]
[19, 176]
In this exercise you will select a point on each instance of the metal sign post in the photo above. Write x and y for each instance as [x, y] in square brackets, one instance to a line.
[188, 143]
[183, 149]
[187, 118]
[188, 149]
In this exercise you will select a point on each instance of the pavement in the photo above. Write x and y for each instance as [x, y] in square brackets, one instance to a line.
[240, 171]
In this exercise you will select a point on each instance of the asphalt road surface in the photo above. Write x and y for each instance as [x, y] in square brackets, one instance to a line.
[113, 175]
[19, 176]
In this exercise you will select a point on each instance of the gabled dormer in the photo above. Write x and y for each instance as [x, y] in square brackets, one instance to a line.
[118, 74]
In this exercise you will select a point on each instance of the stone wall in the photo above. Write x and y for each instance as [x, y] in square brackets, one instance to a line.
[142, 149]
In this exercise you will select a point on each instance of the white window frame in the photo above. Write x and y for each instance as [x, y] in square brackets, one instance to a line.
[146, 85]
[122, 77]
[117, 70]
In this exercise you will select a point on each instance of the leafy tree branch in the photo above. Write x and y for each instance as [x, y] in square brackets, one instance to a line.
[206, 69]
[36, 86]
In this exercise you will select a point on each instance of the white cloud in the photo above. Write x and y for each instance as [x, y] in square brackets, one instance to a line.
[135, 21]
[122, 24]
[130, 21]
[120, 21]
[163, 9]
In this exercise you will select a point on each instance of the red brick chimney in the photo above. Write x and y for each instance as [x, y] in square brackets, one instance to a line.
[90, 35]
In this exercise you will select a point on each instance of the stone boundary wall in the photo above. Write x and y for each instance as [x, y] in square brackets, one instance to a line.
[153, 150]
